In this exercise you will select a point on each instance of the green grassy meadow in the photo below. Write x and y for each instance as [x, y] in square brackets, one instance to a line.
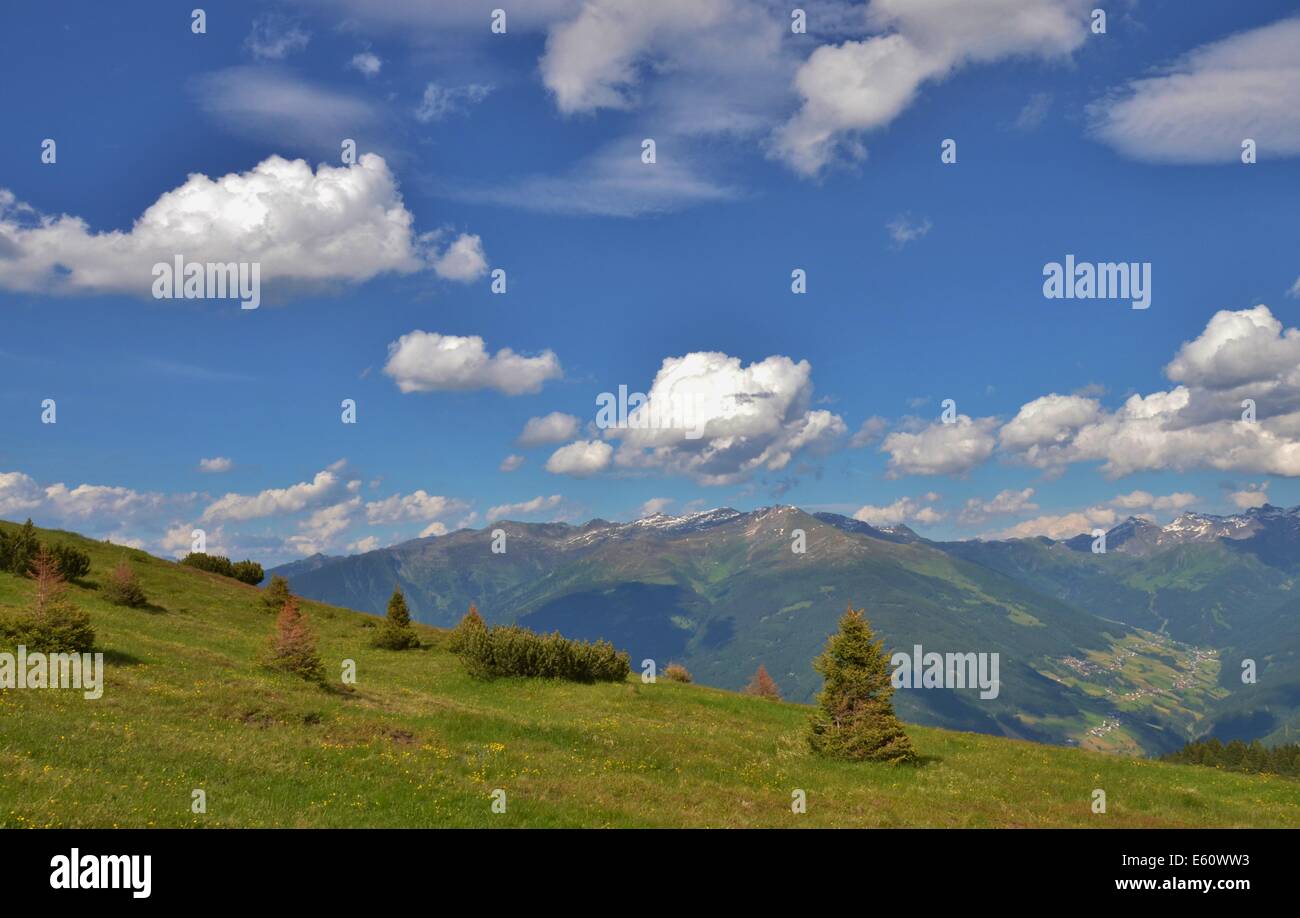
[416, 742]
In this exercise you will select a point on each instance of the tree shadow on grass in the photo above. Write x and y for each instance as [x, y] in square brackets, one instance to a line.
[121, 658]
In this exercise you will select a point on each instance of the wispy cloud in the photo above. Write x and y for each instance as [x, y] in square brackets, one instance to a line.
[274, 37]
[905, 228]
[439, 101]
[614, 183]
[1034, 112]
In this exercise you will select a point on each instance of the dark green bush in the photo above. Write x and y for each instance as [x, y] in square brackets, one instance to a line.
[509, 650]
[213, 564]
[72, 563]
[18, 550]
[62, 628]
[245, 571]
[249, 572]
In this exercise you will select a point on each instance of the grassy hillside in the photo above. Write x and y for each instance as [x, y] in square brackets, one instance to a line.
[418, 743]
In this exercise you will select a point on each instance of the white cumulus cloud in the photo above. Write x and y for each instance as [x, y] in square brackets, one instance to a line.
[555, 427]
[276, 501]
[418, 506]
[580, 458]
[941, 449]
[653, 506]
[1200, 423]
[1254, 495]
[216, 464]
[464, 260]
[919, 510]
[862, 85]
[1145, 500]
[336, 223]
[1004, 503]
[423, 361]
[1063, 525]
[712, 418]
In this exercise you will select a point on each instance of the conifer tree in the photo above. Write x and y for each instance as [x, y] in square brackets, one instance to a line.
[276, 594]
[50, 586]
[293, 646]
[763, 685]
[21, 548]
[396, 632]
[855, 717]
[53, 623]
[123, 587]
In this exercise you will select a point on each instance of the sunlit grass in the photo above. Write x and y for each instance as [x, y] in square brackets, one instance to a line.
[187, 705]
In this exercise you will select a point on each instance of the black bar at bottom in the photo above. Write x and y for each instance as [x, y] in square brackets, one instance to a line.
[934, 866]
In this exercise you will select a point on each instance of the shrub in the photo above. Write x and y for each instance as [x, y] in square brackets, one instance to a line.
[675, 672]
[246, 571]
[762, 685]
[249, 572]
[63, 628]
[510, 650]
[122, 588]
[17, 551]
[52, 624]
[276, 594]
[213, 564]
[73, 564]
[855, 718]
[293, 646]
[396, 632]
[470, 624]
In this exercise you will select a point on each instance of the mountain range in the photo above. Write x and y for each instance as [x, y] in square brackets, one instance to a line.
[1134, 650]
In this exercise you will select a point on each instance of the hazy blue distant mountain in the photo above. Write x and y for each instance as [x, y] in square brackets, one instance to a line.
[1133, 650]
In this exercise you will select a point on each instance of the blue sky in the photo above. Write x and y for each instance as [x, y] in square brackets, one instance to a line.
[522, 152]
